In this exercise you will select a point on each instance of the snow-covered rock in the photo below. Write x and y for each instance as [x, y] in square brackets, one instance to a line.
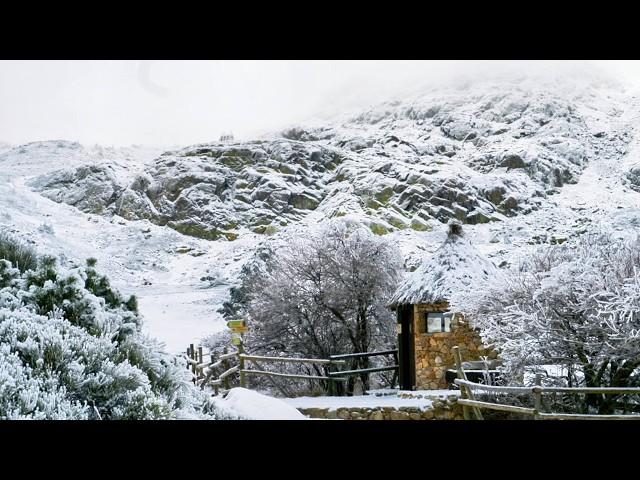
[208, 191]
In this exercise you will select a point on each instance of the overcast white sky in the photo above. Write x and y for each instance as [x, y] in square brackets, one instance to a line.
[184, 102]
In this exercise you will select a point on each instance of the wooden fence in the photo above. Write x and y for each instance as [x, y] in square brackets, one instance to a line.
[256, 361]
[346, 373]
[217, 373]
[471, 404]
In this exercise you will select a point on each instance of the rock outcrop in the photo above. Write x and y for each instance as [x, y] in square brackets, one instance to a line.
[479, 155]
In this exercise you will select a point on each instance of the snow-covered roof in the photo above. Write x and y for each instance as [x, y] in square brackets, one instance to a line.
[455, 267]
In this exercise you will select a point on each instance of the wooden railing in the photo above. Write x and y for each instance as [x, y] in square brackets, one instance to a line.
[204, 372]
[343, 357]
[471, 404]
[230, 363]
[256, 360]
[346, 373]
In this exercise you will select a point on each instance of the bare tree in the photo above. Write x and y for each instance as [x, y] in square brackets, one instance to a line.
[325, 293]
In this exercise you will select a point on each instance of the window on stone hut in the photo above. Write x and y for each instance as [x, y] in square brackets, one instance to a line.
[436, 322]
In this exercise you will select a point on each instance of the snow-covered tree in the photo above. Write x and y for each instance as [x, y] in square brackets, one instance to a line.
[575, 306]
[238, 301]
[71, 347]
[324, 292]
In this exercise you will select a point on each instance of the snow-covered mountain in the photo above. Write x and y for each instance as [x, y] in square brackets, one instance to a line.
[5, 146]
[520, 162]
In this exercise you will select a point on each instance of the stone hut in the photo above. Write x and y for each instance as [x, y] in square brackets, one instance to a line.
[427, 329]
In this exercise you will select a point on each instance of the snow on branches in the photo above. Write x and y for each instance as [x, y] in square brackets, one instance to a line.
[323, 292]
[575, 305]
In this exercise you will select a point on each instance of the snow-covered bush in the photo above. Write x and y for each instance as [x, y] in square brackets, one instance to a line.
[573, 309]
[324, 292]
[19, 254]
[71, 347]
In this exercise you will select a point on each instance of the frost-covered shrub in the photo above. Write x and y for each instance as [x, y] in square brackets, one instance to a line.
[571, 311]
[16, 252]
[71, 347]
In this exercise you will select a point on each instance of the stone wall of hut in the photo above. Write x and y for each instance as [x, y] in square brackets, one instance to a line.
[434, 351]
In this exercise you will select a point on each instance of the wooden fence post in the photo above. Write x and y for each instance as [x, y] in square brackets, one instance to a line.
[537, 396]
[465, 389]
[211, 362]
[331, 383]
[192, 357]
[241, 363]
[461, 376]
[394, 379]
[225, 367]
[189, 367]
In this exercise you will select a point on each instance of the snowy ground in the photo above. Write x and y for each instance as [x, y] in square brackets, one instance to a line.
[252, 405]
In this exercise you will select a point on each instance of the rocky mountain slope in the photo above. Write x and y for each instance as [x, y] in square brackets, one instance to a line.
[478, 155]
[519, 162]
[206, 191]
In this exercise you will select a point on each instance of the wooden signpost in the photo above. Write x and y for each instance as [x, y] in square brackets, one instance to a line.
[238, 327]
